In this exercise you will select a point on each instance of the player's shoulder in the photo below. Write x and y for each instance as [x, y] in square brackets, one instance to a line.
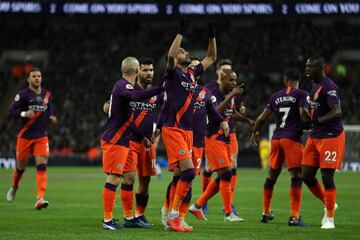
[329, 84]
[23, 94]
[301, 92]
[211, 85]
[123, 84]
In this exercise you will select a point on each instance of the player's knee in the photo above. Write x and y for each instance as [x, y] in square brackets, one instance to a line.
[226, 176]
[41, 167]
[328, 182]
[113, 179]
[188, 175]
[129, 178]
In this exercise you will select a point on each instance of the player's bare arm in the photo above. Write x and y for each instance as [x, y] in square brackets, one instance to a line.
[175, 46]
[212, 49]
[261, 119]
[239, 117]
[335, 113]
[304, 115]
[238, 90]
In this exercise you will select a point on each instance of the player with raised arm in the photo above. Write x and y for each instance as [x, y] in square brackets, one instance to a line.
[116, 136]
[140, 159]
[325, 147]
[177, 117]
[290, 107]
[217, 145]
[33, 106]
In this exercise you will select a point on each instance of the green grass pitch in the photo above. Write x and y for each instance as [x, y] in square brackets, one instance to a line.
[75, 210]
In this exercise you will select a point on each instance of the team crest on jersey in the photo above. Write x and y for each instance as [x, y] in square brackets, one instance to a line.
[129, 86]
[39, 99]
[182, 152]
[202, 95]
[119, 166]
[17, 97]
[222, 161]
[213, 99]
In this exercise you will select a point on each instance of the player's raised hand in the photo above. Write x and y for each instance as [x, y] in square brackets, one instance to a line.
[212, 29]
[29, 114]
[183, 26]
[147, 143]
[53, 119]
[106, 107]
[238, 90]
[254, 138]
[224, 126]
[242, 108]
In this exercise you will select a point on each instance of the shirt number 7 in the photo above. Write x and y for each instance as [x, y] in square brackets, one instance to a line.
[286, 111]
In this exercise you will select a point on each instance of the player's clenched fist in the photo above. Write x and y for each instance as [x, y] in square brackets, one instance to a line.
[106, 107]
[238, 90]
[183, 27]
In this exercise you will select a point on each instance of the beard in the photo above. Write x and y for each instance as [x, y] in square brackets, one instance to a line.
[185, 62]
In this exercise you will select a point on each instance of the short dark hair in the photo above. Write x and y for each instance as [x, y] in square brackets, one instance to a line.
[34, 69]
[318, 59]
[293, 74]
[146, 61]
[224, 61]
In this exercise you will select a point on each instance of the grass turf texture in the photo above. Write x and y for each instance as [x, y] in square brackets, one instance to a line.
[75, 210]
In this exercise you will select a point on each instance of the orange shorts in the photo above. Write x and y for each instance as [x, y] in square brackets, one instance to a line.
[197, 156]
[285, 150]
[325, 152]
[140, 160]
[178, 145]
[217, 153]
[234, 144]
[114, 157]
[28, 147]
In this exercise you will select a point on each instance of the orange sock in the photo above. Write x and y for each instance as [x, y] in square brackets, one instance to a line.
[210, 191]
[182, 189]
[267, 195]
[317, 190]
[295, 197]
[330, 200]
[205, 180]
[225, 189]
[127, 199]
[109, 195]
[41, 180]
[184, 207]
[16, 177]
[234, 180]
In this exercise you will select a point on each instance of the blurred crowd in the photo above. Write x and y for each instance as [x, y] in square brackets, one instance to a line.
[84, 62]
